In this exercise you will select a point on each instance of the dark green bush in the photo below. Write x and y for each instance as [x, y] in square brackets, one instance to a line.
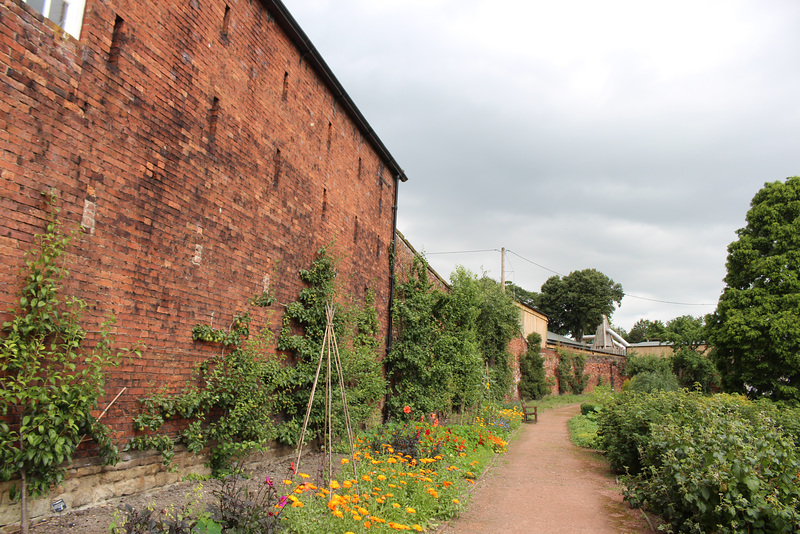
[648, 381]
[636, 364]
[706, 464]
[533, 380]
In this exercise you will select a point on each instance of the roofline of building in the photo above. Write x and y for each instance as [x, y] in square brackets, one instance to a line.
[420, 256]
[537, 310]
[312, 56]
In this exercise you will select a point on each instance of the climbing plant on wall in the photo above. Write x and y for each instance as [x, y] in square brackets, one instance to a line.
[230, 401]
[302, 334]
[50, 381]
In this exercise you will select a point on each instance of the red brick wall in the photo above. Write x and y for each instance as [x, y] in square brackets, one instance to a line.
[205, 166]
[601, 368]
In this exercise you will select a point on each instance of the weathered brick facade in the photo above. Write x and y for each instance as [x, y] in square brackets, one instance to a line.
[207, 152]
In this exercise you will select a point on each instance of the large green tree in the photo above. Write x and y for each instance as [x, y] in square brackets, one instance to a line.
[646, 330]
[756, 327]
[577, 302]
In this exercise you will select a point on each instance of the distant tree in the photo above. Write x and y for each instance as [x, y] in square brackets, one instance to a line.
[755, 329]
[645, 330]
[577, 302]
[523, 296]
[686, 332]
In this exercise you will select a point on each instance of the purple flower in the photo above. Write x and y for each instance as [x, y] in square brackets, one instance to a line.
[268, 482]
[283, 501]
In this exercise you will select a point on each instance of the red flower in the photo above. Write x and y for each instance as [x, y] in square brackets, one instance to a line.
[427, 431]
[406, 409]
[292, 467]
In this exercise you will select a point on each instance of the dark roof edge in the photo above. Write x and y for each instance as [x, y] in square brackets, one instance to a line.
[422, 257]
[310, 54]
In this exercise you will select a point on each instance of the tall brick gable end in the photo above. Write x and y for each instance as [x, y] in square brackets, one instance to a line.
[204, 158]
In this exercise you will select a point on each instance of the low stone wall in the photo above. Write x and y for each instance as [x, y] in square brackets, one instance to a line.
[89, 484]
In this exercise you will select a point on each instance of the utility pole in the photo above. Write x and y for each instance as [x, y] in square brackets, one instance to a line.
[503, 268]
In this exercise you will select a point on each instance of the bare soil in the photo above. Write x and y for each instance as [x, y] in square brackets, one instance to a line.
[544, 484]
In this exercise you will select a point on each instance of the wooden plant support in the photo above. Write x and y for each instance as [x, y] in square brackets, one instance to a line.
[329, 353]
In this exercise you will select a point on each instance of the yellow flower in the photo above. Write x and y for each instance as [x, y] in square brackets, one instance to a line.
[418, 528]
[455, 501]
[338, 513]
[357, 517]
[344, 461]
[395, 505]
[410, 510]
[302, 475]
[288, 482]
[335, 484]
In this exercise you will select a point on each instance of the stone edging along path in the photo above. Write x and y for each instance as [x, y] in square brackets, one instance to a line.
[544, 483]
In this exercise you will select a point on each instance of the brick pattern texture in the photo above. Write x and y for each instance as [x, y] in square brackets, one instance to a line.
[202, 166]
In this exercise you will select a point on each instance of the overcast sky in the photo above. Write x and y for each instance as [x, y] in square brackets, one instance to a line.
[625, 136]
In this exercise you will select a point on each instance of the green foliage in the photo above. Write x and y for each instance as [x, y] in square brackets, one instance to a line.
[496, 325]
[230, 402]
[645, 330]
[642, 363]
[450, 349]
[583, 431]
[533, 382]
[435, 362]
[694, 369]
[648, 381]
[576, 303]
[705, 464]
[302, 335]
[49, 381]
[570, 372]
[755, 329]
[686, 333]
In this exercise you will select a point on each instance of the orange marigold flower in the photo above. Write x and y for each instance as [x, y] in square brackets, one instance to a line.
[418, 528]
[410, 510]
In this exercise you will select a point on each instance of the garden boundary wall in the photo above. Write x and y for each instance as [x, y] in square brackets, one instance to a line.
[203, 152]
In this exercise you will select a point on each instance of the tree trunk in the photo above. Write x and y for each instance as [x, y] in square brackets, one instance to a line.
[23, 504]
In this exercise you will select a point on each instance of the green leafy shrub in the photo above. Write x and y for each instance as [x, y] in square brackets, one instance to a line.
[583, 431]
[695, 369]
[705, 464]
[533, 380]
[648, 381]
[646, 363]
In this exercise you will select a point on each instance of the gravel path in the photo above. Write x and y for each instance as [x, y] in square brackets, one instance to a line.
[546, 484]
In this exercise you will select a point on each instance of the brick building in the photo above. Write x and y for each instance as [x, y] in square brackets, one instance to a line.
[205, 150]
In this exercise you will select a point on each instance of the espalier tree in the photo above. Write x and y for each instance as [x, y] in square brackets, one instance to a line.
[49, 381]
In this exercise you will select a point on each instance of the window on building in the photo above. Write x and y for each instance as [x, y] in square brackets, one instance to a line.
[66, 13]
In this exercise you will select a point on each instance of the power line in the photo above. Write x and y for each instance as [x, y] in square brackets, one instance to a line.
[534, 263]
[559, 274]
[463, 251]
[669, 301]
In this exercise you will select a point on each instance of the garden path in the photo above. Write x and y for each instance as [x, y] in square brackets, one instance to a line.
[545, 484]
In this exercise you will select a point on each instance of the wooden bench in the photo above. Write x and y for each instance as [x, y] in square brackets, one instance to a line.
[530, 412]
